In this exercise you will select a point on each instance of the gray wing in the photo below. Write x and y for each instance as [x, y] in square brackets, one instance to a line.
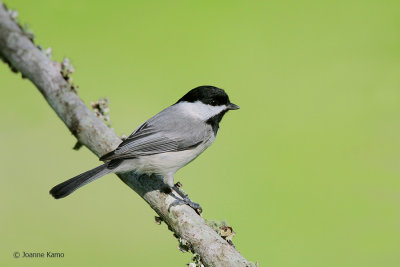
[165, 132]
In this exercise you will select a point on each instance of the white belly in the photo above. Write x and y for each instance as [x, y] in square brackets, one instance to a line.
[164, 164]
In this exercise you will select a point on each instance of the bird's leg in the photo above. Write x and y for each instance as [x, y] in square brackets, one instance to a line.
[185, 200]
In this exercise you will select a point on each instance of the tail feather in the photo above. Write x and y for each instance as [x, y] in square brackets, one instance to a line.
[69, 186]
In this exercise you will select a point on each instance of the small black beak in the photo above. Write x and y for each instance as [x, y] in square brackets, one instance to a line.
[232, 106]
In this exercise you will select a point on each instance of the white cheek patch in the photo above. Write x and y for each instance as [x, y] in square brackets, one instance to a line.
[200, 110]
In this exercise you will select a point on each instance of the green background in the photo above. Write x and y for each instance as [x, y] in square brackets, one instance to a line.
[307, 171]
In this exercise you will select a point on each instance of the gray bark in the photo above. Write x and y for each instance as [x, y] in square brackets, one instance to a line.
[18, 50]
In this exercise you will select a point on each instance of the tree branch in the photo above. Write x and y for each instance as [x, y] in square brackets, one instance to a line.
[18, 50]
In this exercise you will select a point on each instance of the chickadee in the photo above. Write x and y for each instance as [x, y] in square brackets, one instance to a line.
[165, 143]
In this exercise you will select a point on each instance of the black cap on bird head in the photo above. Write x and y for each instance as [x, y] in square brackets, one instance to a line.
[209, 95]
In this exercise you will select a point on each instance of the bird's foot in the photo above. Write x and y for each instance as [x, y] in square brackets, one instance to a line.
[185, 200]
[196, 206]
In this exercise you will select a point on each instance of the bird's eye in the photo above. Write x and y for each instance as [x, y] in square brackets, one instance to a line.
[213, 102]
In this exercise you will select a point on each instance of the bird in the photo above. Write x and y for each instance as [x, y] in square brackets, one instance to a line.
[164, 143]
